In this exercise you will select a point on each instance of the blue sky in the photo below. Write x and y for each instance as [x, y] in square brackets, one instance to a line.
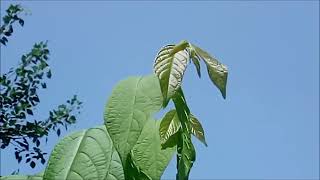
[267, 128]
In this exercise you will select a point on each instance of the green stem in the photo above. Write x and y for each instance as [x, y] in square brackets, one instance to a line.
[185, 149]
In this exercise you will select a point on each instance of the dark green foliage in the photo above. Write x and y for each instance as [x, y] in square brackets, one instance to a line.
[19, 98]
[6, 29]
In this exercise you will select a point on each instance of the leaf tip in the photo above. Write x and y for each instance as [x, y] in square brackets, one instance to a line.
[224, 94]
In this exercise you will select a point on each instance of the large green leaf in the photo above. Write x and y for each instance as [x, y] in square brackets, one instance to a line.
[196, 129]
[169, 126]
[218, 72]
[87, 154]
[147, 153]
[133, 172]
[23, 177]
[169, 68]
[132, 102]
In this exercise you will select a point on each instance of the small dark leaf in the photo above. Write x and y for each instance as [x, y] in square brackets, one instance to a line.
[32, 164]
[22, 115]
[58, 132]
[43, 160]
[72, 119]
[2, 42]
[10, 29]
[37, 142]
[16, 154]
[44, 85]
[6, 19]
[36, 99]
[7, 33]
[19, 159]
[49, 74]
[25, 146]
[29, 111]
[21, 22]
[28, 160]
[4, 39]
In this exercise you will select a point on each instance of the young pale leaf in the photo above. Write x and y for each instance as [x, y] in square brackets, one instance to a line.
[169, 126]
[147, 153]
[131, 103]
[196, 129]
[87, 154]
[218, 72]
[170, 69]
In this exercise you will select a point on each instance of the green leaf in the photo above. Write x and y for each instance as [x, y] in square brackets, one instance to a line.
[218, 72]
[23, 177]
[170, 69]
[195, 59]
[169, 126]
[87, 154]
[36, 52]
[133, 172]
[131, 104]
[147, 153]
[196, 129]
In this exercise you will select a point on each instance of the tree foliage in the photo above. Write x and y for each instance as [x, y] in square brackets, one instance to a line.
[19, 98]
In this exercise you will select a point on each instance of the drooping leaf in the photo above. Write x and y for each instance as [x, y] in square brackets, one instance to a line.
[218, 72]
[132, 102]
[87, 154]
[169, 126]
[32, 164]
[170, 69]
[21, 22]
[196, 129]
[148, 154]
[195, 59]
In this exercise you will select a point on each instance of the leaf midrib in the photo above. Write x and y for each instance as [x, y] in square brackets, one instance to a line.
[74, 156]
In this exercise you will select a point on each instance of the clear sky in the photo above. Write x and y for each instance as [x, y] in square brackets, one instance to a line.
[267, 128]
